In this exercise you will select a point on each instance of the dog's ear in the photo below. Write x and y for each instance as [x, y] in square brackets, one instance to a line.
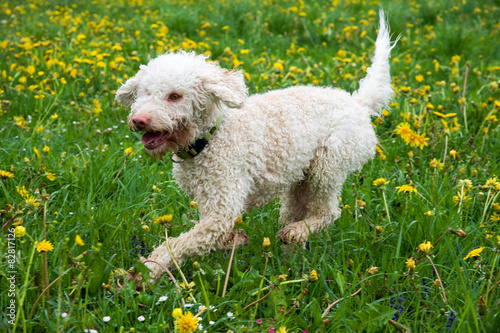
[126, 94]
[227, 87]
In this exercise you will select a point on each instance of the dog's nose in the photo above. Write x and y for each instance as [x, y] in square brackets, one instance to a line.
[140, 122]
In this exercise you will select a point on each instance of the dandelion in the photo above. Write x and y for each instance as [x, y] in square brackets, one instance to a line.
[177, 313]
[410, 264]
[465, 185]
[406, 189]
[460, 197]
[380, 182]
[266, 243]
[429, 213]
[425, 247]
[163, 219]
[79, 241]
[419, 77]
[378, 229]
[372, 270]
[193, 204]
[474, 253]
[313, 276]
[404, 130]
[19, 231]
[491, 184]
[32, 201]
[129, 151]
[453, 153]
[50, 176]
[238, 222]
[44, 246]
[6, 174]
[186, 323]
[46, 149]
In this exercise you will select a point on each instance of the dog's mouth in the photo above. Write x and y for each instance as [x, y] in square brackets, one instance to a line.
[153, 140]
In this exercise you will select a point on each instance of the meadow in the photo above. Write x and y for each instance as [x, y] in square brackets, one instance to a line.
[416, 249]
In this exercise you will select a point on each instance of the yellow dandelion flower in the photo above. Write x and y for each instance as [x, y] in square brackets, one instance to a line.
[372, 270]
[282, 329]
[379, 229]
[6, 174]
[44, 246]
[474, 253]
[419, 77]
[380, 182]
[19, 231]
[177, 313]
[32, 201]
[186, 323]
[22, 191]
[491, 184]
[421, 141]
[193, 204]
[404, 130]
[79, 240]
[406, 189]
[465, 184]
[129, 151]
[425, 247]
[46, 149]
[266, 243]
[410, 264]
[313, 276]
[238, 222]
[453, 153]
[278, 65]
[145, 227]
[164, 219]
[50, 176]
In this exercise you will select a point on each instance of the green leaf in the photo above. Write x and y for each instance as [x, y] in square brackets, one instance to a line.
[372, 317]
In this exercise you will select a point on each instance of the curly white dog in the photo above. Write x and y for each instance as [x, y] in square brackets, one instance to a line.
[236, 151]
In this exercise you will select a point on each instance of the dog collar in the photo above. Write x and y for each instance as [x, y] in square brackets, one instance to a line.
[198, 145]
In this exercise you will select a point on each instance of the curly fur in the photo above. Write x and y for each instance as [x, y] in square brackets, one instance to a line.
[298, 144]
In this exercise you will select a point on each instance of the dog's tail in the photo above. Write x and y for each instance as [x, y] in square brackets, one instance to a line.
[375, 90]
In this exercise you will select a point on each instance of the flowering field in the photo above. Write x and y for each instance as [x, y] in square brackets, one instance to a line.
[416, 249]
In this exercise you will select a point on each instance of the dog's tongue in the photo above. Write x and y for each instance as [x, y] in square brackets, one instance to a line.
[150, 138]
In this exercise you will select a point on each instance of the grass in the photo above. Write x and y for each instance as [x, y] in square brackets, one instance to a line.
[73, 174]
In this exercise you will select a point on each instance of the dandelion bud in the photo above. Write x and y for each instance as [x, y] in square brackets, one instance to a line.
[313, 276]
[459, 232]
[238, 222]
[193, 204]
[266, 243]
[196, 265]
[436, 283]
[378, 229]
[410, 264]
[19, 231]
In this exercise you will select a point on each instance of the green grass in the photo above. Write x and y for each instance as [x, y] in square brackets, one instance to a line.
[60, 64]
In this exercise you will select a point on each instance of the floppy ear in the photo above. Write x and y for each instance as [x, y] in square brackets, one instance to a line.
[227, 87]
[126, 94]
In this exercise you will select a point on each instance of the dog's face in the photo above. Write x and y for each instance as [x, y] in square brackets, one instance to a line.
[178, 96]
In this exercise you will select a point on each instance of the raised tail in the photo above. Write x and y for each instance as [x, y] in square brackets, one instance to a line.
[375, 90]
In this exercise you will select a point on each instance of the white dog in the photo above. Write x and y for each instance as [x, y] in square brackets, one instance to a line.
[298, 144]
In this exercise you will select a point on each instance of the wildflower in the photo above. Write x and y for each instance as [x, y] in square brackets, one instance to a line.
[145, 227]
[163, 219]
[419, 78]
[372, 270]
[436, 164]
[193, 204]
[380, 182]
[282, 329]
[50, 176]
[162, 299]
[282, 277]
[474, 253]
[410, 264]
[406, 189]
[453, 153]
[465, 185]
[429, 213]
[491, 184]
[259, 321]
[128, 151]
[54, 116]
[425, 247]
[141, 318]
[266, 243]
[32, 201]
[19, 231]
[278, 65]
[404, 130]
[460, 197]
[36, 152]
[238, 222]
[6, 174]
[46, 149]
[106, 319]
[378, 229]
[79, 241]
[156, 189]
[44, 246]
[313, 276]
[177, 313]
[230, 315]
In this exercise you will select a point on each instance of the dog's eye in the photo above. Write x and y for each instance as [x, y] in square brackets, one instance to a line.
[174, 97]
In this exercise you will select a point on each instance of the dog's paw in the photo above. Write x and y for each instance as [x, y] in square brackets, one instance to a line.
[296, 232]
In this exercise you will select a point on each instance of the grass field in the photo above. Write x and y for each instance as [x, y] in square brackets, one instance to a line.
[416, 249]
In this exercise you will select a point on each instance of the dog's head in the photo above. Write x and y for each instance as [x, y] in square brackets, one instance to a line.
[178, 96]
